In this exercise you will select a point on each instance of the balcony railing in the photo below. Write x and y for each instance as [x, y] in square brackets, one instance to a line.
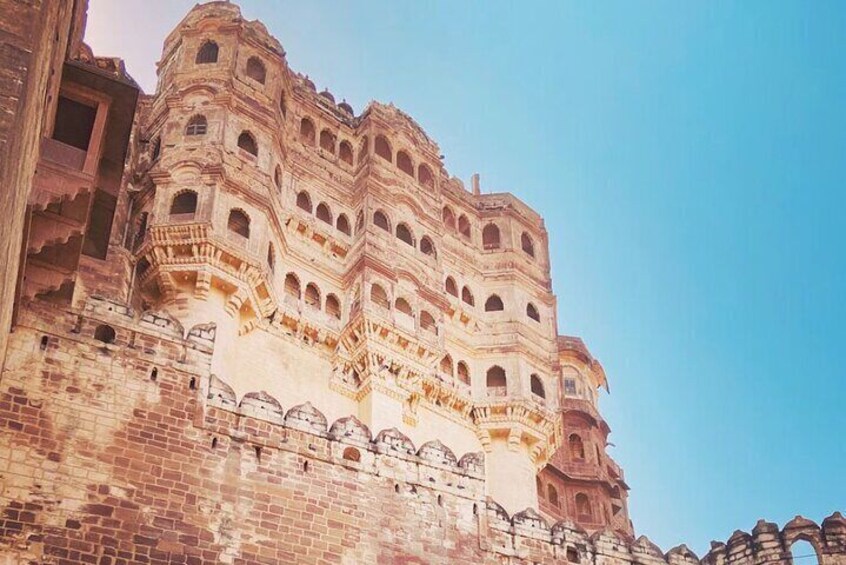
[63, 154]
[497, 391]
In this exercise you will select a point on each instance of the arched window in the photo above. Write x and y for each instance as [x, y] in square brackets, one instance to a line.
[464, 226]
[207, 53]
[184, 203]
[304, 201]
[383, 148]
[379, 297]
[583, 510]
[333, 306]
[463, 372]
[381, 220]
[404, 163]
[256, 70]
[451, 287]
[527, 244]
[346, 152]
[494, 304]
[446, 365]
[490, 237]
[351, 454]
[277, 177]
[105, 333]
[496, 381]
[427, 322]
[552, 495]
[307, 131]
[532, 312]
[327, 141]
[312, 296]
[239, 222]
[247, 142]
[573, 555]
[803, 551]
[403, 306]
[577, 447]
[197, 125]
[467, 296]
[343, 224]
[425, 176]
[323, 214]
[448, 218]
[427, 247]
[537, 386]
[404, 234]
[292, 285]
[271, 257]
[157, 150]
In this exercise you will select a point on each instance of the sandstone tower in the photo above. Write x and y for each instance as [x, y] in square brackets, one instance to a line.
[197, 260]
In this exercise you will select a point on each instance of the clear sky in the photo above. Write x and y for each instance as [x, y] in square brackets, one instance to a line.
[689, 159]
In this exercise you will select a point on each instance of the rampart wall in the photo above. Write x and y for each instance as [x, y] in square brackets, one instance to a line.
[132, 452]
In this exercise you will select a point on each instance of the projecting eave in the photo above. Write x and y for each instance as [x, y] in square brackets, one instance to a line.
[571, 347]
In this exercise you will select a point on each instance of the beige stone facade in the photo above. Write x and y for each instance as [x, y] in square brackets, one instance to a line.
[255, 326]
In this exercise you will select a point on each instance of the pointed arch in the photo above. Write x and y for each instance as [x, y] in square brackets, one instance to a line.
[342, 224]
[323, 213]
[404, 234]
[527, 244]
[425, 176]
[467, 296]
[576, 447]
[239, 222]
[537, 387]
[380, 219]
[307, 131]
[247, 142]
[403, 306]
[427, 322]
[379, 297]
[207, 53]
[494, 304]
[312, 295]
[463, 372]
[446, 365]
[184, 204]
[256, 70]
[333, 306]
[292, 285]
[197, 125]
[427, 247]
[464, 226]
[532, 312]
[451, 287]
[382, 148]
[345, 152]
[327, 141]
[448, 218]
[304, 201]
[404, 163]
[496, 380]
[491, 237]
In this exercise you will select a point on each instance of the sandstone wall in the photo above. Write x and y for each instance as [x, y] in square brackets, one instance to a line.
[131, 452]
[34, 38]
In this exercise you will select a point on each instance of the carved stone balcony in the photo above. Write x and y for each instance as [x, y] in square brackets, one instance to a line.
[522, 420]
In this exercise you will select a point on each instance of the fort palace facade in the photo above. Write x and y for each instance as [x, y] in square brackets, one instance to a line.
[250, 324]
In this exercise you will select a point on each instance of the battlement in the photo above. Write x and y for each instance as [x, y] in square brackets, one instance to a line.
[243, 468]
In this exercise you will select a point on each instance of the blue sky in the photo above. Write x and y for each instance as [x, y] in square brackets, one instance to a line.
[688, 158]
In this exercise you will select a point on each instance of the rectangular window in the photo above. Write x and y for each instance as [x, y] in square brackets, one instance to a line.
[99, 225]
[570, 387]
[74, 123]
